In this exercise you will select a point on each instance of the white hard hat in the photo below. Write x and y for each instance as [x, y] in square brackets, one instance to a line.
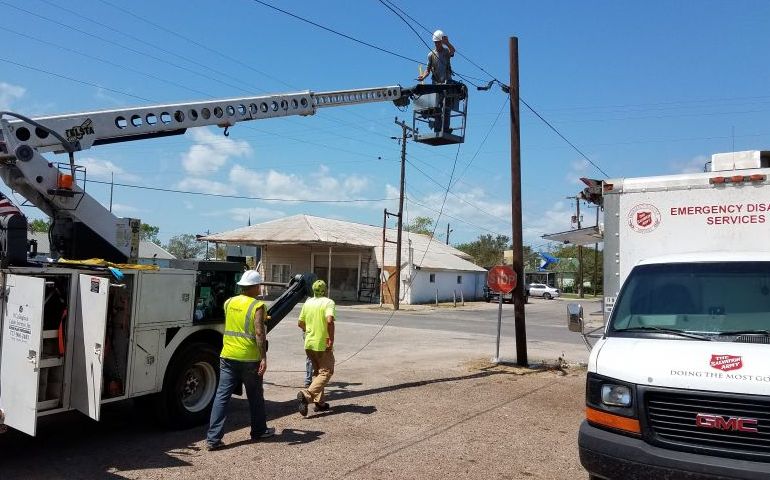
[250, 278]
[438, 35]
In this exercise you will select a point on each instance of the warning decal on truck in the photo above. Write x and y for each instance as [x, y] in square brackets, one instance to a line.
[19, 324]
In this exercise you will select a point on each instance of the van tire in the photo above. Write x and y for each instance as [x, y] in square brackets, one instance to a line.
[189, 387]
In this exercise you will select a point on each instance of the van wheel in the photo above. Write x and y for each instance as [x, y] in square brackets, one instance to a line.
[547, 296]
[189, 387]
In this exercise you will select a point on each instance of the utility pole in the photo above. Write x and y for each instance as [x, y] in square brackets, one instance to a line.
[596, 254]
[579, 250]
[404, 135]
[384, 241]
[447, 233]
[112, 186]
[517, 238]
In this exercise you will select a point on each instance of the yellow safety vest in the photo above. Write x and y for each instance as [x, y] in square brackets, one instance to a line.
[240, 341]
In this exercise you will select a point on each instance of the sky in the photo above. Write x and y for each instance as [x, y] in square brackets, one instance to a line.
[637, 88]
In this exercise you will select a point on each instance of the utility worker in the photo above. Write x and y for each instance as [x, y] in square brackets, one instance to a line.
[439, 60]
[440, 68]
[243, 360]
[316, 319]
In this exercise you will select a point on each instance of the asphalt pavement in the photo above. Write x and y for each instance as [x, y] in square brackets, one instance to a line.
[413, 396]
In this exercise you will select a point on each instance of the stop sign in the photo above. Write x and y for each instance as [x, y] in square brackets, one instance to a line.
[501, 278]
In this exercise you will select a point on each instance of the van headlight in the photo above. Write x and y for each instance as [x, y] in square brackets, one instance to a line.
[616, 395]
[611, 404]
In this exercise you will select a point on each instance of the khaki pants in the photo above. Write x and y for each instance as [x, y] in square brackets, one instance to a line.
[323, 368]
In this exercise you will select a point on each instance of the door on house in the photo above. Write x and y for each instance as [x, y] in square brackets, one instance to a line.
[345, 273]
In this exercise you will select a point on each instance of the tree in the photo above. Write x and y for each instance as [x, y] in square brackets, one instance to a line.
[487, 250]
[422, 225]
[149, 233]
[568, 255]
[531, 259]
[185, 246]
[39, 226]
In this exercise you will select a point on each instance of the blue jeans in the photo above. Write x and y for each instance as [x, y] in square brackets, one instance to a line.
[231, 374]
[308, 368]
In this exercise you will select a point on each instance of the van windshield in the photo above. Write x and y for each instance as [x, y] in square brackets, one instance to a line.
[706, 298]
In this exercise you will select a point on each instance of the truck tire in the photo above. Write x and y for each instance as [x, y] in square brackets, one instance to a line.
[189, 387]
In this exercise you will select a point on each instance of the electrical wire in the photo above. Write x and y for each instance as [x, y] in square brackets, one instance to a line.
[241, 197]
[335, 32]
[82, 82]
[494, 79]
[484, 140]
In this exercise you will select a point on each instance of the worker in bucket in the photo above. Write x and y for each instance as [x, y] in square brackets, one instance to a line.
[316, 319]
[243, 360]
[439, 60]
[440, 69]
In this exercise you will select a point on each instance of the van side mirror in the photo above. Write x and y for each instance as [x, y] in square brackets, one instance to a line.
[575, 317]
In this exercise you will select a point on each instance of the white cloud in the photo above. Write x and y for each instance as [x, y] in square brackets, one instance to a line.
[124, 210]
[242, 215]
[211, 152]
[318, 185]
[205, 186]
[578, 168]
[9, 94]
[694, 165]
[103, 169]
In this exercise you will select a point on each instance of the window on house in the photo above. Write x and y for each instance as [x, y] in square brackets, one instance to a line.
[432, 278]
[459, 279]
[280, 272]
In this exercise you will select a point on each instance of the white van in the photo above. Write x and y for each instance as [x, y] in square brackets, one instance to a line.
[678, 384]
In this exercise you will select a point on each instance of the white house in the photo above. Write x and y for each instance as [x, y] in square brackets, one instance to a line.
[361, 263]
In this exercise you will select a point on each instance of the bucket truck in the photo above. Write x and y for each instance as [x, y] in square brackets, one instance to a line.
[76, 337]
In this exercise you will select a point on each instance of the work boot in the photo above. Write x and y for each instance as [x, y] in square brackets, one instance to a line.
[301, 404]
[214, 446]
[321, 407]
[269, 432]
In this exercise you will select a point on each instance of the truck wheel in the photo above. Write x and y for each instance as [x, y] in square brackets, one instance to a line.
[547, 296]
[189, 387]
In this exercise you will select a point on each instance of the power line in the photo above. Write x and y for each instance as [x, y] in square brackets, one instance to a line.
[335, 32]
[456, 195]
[502, 107]
[564, 138]
[507, 88]
[65, 77]
[151, 76]
[240, 197]
[392, 5]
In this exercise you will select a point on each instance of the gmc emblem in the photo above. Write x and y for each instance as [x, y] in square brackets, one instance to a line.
[718, 422]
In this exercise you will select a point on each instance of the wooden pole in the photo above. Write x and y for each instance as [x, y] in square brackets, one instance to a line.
[517, 237]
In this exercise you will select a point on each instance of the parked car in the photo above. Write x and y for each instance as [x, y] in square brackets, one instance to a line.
[543, 290]
[489, 295]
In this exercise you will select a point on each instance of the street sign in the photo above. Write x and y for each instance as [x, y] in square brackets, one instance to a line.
[501, 278]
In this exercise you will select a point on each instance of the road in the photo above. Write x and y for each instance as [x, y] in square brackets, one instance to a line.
[416, 398]
[545, 323]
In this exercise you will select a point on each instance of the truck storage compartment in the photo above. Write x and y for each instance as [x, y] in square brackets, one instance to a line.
[53, 349]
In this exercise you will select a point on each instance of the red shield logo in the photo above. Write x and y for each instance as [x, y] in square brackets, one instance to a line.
[726, 362]
[644, 219]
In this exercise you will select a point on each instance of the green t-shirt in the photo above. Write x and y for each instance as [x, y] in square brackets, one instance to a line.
[314, 312]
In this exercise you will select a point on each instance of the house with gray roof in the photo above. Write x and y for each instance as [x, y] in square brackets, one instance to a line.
[356, 263]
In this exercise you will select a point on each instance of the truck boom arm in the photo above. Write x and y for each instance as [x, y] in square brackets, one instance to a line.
[81, 226]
